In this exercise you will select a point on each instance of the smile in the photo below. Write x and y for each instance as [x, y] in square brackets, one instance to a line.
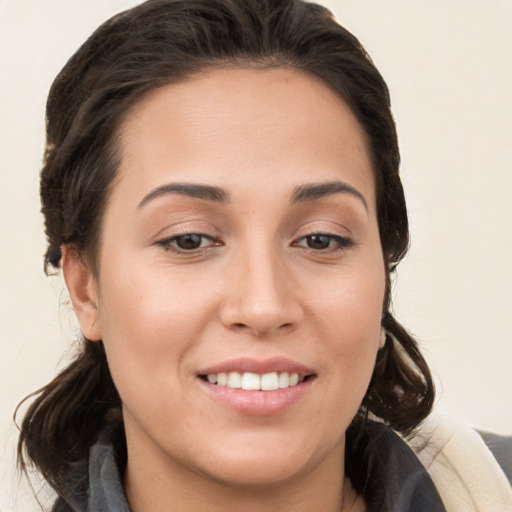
[255, 382]
[257, 387]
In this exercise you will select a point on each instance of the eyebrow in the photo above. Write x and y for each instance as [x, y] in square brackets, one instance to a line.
[197, 191]
[303, 193]
[312, 191]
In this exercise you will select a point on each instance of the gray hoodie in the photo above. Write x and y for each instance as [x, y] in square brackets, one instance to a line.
[398, 482]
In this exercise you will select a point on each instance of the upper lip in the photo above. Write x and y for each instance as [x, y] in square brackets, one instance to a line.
[259, 366]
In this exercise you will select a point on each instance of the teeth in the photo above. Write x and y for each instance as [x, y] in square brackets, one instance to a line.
[269, 381]
[234, 380]
[254, 382]
[284, 380]
[251, 381]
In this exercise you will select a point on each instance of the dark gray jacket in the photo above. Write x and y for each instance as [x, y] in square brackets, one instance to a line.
[398, 481]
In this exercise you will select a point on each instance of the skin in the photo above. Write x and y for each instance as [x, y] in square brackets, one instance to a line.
[255, 287]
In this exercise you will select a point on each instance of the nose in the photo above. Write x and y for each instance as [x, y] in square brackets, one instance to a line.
[260, 297]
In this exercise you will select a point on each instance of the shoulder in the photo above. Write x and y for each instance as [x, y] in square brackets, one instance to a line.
[501, 448]
[465, 472]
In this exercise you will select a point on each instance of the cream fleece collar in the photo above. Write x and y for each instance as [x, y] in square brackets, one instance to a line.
[463, 469]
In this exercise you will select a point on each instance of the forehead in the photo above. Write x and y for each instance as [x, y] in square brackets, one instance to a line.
[229, 125]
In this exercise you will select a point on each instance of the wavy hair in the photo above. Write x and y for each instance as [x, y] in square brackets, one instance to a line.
[165, 41]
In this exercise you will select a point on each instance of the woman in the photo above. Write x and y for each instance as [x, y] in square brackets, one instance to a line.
[221, 192]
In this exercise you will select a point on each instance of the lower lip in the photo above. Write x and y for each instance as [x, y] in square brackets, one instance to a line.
[257, 403]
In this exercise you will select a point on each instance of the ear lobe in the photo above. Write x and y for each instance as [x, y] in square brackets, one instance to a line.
[82, 288]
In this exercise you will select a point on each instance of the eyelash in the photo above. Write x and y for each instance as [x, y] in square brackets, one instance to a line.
[342, 243]
[166, 243]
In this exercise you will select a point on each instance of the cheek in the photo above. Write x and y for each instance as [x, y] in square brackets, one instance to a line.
[159, 302]
[349, 317]
[150, 321]
[352, 302]
[347, 326]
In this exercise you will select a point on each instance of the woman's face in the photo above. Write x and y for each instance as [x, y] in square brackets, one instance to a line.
[240, 246]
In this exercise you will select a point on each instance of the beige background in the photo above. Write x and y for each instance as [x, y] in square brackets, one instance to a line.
[448, 66]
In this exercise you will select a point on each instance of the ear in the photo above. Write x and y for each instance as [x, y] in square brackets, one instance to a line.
[83, 291]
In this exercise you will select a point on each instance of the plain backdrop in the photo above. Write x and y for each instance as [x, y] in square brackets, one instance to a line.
[448, 65]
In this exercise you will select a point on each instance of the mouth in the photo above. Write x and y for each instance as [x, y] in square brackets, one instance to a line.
[257, 387]
[250, 381]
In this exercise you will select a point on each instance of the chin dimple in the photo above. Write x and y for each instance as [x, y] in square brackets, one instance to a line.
[254, 381]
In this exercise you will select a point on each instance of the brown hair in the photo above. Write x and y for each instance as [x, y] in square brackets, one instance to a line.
[165, 41]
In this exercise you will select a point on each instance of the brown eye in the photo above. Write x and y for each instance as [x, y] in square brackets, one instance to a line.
[324, 242]
[318, 242]
[189, 242]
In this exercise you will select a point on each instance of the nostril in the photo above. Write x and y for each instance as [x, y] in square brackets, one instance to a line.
[260, 332]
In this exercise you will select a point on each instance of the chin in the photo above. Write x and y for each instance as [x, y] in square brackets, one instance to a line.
[254, 474]
[265, 463]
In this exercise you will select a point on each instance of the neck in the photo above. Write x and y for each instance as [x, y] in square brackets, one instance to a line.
[159, 484]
